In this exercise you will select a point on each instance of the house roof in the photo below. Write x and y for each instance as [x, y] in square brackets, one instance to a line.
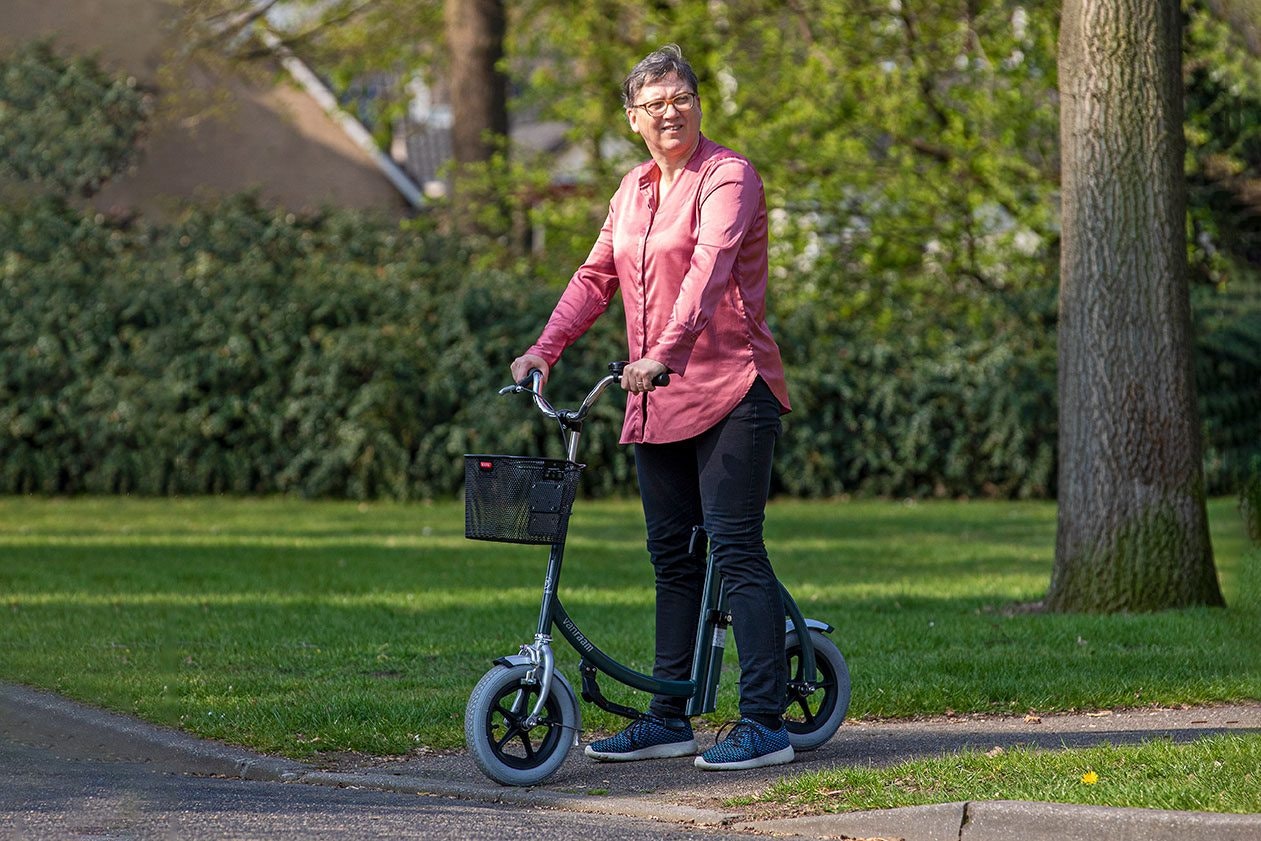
[217, 131]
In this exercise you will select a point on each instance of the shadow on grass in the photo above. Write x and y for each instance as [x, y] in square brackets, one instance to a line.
[347, 647]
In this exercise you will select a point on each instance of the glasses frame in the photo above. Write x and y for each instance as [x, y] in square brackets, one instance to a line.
[666, 103]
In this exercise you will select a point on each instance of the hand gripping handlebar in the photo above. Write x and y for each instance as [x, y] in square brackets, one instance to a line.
[532, 384]
[570, 420]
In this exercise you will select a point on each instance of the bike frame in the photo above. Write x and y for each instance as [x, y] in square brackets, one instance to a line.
[701, 689]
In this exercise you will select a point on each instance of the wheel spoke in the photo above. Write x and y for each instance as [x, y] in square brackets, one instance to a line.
[509, 735]
[513, 717]
[526, 744]
[508, 714]
[802, 701]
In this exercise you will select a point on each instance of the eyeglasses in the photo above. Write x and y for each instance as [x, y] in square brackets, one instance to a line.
[657, 108]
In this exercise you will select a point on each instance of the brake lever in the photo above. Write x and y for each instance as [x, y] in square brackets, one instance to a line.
[535, 387]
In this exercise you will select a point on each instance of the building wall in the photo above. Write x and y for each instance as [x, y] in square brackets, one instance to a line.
[217, 131]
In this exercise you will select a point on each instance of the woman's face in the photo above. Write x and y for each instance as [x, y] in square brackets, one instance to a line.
[674, 135]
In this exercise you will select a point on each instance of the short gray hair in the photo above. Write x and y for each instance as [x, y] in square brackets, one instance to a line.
[657, 65]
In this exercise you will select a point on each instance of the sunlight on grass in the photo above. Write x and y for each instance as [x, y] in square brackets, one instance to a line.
[411, 601]
[1214, 774]
[294, 627]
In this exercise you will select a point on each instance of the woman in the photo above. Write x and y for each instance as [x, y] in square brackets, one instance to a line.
[686, 243]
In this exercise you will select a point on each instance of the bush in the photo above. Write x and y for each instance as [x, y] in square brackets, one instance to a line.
[66, 123]
[972, 420]
[1228, 375]
[244, 350]
[248, 351]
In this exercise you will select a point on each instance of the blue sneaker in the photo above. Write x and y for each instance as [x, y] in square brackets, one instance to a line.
[748, 745]
[645, 738]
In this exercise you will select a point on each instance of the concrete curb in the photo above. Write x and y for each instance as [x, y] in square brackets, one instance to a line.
[999, 819]
[77, 729]
[1005, 820]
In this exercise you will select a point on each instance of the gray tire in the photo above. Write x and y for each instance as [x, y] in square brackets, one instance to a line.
[505, 750]
[813, 717]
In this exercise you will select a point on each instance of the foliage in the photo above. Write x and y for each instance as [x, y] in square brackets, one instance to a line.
[247, 350]
[1250, 501]
[1228, 374]
[896, 416]
[911, 148]
[366, 51]
[913, 199]
[66, 123]
[1223, 148]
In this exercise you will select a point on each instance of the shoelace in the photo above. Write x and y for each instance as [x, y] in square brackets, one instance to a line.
[733, 727]
[639, 729]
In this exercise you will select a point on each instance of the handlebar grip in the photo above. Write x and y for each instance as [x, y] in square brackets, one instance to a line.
[616, 368]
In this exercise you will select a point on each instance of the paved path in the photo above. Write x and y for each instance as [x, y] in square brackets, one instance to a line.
[675, 792]
[45, 794]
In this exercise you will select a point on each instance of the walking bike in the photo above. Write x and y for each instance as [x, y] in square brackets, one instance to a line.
[523, 716]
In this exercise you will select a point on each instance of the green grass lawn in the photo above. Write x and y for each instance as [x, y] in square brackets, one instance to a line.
[294, 627]
[1215, 774]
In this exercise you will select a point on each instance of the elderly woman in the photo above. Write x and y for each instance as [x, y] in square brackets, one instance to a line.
[686, 243]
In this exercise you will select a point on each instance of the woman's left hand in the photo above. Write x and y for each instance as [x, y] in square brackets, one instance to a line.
[637, 376]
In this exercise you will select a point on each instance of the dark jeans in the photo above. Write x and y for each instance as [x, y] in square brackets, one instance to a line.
[719, 479]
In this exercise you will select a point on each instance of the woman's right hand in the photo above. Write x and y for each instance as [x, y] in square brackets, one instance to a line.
[524, 364]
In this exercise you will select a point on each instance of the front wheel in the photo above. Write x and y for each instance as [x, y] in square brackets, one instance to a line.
[812, 717]
[508, 751]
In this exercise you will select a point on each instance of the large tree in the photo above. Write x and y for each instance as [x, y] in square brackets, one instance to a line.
[479, 107]
[479, 86]
[1133, 531]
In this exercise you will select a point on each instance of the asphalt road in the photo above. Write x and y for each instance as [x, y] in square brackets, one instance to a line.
[72, 771]
[45, 794]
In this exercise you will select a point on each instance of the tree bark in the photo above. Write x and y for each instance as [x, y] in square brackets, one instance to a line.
[479, 88]
[1132, 529]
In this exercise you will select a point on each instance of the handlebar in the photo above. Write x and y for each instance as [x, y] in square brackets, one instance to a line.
[532, 384]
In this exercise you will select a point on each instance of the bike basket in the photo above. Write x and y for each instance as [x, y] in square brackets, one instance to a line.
[518, 499]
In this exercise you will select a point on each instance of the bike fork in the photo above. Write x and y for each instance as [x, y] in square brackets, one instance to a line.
[540, 651]
[541, 658]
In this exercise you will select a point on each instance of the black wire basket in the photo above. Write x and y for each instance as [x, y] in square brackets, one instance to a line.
[518, 499]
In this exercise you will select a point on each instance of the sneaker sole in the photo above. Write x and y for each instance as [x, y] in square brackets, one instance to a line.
[779, 757]
[667, 751]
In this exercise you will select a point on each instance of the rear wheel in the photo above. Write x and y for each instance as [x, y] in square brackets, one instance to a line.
[815, 709]
[503, 746]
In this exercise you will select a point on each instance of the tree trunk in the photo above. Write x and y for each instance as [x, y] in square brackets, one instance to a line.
[479, 109]
[479, 88]
[1132, 529]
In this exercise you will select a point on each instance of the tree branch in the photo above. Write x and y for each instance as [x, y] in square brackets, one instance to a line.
[237, 23]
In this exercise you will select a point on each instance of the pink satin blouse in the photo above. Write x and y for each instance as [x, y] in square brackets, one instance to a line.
[692, 268]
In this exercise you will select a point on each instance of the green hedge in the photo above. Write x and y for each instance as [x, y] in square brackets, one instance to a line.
[64, 122]
[242, 350]
[249, 351]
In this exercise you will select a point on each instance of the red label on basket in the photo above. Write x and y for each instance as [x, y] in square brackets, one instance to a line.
[486, 465]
